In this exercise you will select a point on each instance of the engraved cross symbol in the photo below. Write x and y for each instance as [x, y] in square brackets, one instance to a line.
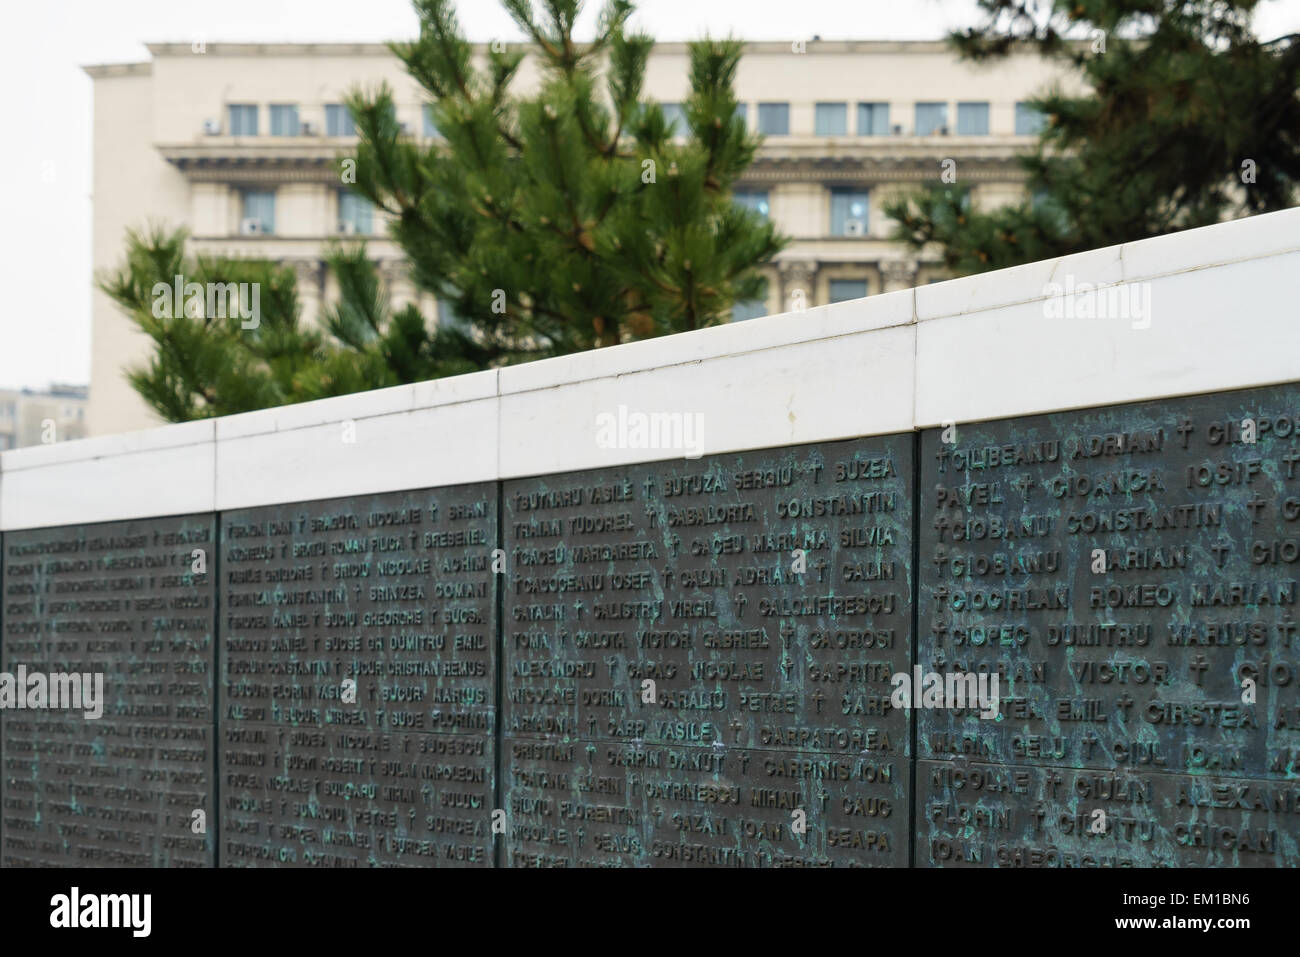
[1291, 458]
[736, 727]
[1025, 484]
[1198, 665]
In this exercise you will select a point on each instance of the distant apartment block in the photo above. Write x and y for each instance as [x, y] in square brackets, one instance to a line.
[240, 144]
[33, 417]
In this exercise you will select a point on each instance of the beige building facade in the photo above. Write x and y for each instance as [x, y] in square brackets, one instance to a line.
[42, 416]
[240, 144]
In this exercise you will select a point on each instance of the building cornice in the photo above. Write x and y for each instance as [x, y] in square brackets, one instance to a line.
[312, 160]
[99, 71]
[876, 168]
[676, 47]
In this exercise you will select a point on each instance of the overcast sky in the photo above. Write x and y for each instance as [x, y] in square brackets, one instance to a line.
[45, 162]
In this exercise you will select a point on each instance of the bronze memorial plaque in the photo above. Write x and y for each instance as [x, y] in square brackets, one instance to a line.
[697, 660]
[107, 744]
[358, 681]
[1127, 575]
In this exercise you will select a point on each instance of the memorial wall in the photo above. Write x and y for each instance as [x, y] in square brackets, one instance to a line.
[697, 660]
[889, 610]
[1129, 574]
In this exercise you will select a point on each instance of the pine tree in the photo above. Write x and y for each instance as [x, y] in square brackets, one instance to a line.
[209, 361]
[554, 223]
[566, 220]
[1190, 119]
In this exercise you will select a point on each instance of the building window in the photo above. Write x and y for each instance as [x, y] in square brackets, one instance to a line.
[6, 441]
[449, 318]
[338, 120]
[259, 207]
[755, 199]
[1029, 122]
[831, 119]
[972, 119]
[931, 118]
[243, 119]
[675, 117]
[355, 213]
[774, 119]
[842, 290]
[873, 119]
[742, 113]
[430, 127]
[848, 212]
[284, 120]
[749, 309]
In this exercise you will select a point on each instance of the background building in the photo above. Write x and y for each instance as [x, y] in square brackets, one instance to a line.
[240, 142]
[31, 417]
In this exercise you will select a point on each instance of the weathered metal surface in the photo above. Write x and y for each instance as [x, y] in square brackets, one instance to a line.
[725, 609]
[980, 815]
[358, 665]
[132, 601]
[1123, 570]
[614, 804]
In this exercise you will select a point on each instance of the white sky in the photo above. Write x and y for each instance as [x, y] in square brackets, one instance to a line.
[45, 160]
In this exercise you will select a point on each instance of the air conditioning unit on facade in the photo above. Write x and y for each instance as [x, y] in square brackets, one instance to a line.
[348, 228]
[250, 227]
[212, 127]
[855, 227]
[943, 131]
[404, 129]
[898, 129]
[309, 129]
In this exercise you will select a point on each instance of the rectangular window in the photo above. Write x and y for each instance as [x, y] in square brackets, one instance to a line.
[338, 120]
[448, 317]
[842, 290]
[284, 120]
[243, 119]
[848, 212]
[430, 127]
[749, 309]
[742, 113]
[675, 116]
[831, 119]
[755, 199]
[873, 119]
[1029, 122]
[774, 119]
[972, 119]
[930, 118]
[259, 205]
[355, 213]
